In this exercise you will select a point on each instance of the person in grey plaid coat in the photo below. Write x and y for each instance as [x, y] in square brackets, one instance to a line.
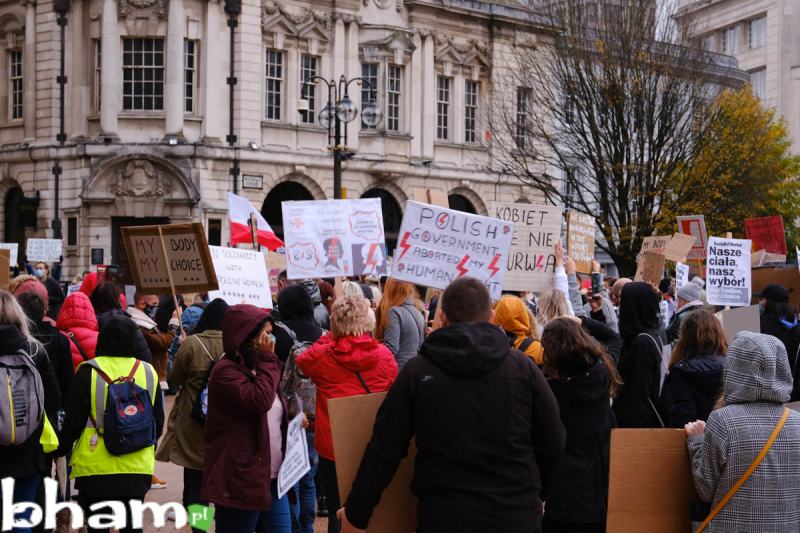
[756, 383]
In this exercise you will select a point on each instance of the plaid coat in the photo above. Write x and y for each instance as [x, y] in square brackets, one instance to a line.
[757, 381]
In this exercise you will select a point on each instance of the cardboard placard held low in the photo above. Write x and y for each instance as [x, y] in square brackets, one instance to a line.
[740, 319]
[352, 420]
[5, 268]
[650, 482]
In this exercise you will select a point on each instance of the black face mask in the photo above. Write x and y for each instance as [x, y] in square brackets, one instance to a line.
[150, 310]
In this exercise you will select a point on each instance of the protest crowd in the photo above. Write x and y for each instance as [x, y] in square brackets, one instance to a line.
[508, 399]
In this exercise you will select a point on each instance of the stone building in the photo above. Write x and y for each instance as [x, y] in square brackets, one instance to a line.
[764, 36]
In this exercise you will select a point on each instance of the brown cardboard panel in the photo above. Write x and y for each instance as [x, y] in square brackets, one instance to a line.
[581, 230]
[352, 420]
[650, 268]
[740, 319]
[787, 276]
[5, 268]
[679, 247]
[650, 482]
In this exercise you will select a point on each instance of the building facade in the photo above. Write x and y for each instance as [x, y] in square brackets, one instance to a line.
[764, 37]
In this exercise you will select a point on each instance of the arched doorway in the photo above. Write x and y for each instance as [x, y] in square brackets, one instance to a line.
[461, 203]
[392, 215]
[19, 213]
[286, 191]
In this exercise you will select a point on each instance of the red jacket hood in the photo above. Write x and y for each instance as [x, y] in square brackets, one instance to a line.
[89, 283]
[356, 354]
[77, 312]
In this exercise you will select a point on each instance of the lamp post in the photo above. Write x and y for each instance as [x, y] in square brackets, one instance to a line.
[232, 9]
[341, 109]
[61, 7]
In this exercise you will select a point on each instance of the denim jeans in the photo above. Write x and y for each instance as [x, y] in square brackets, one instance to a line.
[279, 518]
[304, 510]
[24, 491]
[235, 520]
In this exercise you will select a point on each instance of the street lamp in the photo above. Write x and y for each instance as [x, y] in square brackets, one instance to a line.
[61, 7]
[232, 8]
[341, 109]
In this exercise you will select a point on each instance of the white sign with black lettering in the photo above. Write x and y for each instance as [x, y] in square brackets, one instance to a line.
[14, 248]
[242, 277]
[47, 250]
[729, 273]
[296, 463]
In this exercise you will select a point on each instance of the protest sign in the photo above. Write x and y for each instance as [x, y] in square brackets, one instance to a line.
[430, 196]
[767, 234]
[650, 268]
[5, 267]
[13, 247]
[786, 276]
[175, 254]
[581, 233]
[537, 228]
[656, 243]
[650, 482]
[276, 263]
[330, 238]
[439, 245]
[47, 250]
[742, 319]
[295, 463]
[352, 420]
[695, 225]
[729, 280]
[678, 247]
[72, 289]
[242, 277]
[681, 275]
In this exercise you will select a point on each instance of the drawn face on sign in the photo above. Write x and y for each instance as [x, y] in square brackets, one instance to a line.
[370, 259]
[333, 250]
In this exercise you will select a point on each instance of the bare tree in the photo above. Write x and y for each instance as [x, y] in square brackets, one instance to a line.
[609, 110]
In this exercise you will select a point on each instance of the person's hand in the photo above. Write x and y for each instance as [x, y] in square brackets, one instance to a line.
[304, 423]
[558, 251]
[181, 337]
[596, 303]
[570, 265]
[697, 427]
[266, 342]
[347, 527]
[595, 267]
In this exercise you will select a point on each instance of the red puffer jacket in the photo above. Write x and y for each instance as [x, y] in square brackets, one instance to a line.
[332, 365]
[77, 317]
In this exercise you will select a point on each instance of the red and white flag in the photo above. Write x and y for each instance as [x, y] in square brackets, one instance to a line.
[239, 210]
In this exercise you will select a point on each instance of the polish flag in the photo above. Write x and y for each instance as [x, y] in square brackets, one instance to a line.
[239, 210]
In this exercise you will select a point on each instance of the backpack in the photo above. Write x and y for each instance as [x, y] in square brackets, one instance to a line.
[200, 403]
[21, 398]
[128, 423]
[299, 391]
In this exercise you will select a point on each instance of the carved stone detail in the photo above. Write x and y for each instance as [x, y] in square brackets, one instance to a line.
[298, 20]
[159, 6]
[461, 51]
[384, 4]
[140, 179]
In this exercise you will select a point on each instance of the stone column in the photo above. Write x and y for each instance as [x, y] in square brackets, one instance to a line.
[457, 106]
[111, 67]
[415, 98]
[173, 101]
[353, 62]
[339, 46]
[79, 93]
[29, 71]
[429, 97]
[214, 71]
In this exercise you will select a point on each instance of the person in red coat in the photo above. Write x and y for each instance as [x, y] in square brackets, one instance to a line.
[346, 362]
[241, 448]
[77, 320]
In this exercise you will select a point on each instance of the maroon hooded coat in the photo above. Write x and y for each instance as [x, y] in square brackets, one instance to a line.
[236, 471]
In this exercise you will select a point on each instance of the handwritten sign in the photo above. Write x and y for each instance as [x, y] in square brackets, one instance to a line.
[767, 234]
[46, 250]
[295, 461]
[729, 275]
[187, 258]
[330, 238]
[681, 275]
[13, 248]
[242, 277]
[439, 245]
[650, 268]
[537, 228]
[581, 232]
[657, 244]
[695, 225]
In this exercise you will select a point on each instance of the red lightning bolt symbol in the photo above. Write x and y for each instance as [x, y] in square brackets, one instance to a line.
[493, 265]
[371, 256]
[404, 245]
[539, 262]
[460, 266]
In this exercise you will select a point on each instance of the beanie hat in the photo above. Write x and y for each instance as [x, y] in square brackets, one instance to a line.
[117, 336]
[700, 282]
[690, 292]
[25, 283]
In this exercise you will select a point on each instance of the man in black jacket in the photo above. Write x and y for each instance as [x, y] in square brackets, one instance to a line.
[488, 433]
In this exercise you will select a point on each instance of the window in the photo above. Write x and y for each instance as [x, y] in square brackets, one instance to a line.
[708, 43]
[442, 108]
[729, 43]
[189, 76]
[308, 69]
[143, 74]
[758, 82]
[274, 85]
[757, 29]
[72, 231]
[394, 80]
[97, 82]
[214, 231]
[15, 77]
[470, 111]
[522, 117]
[369, 90]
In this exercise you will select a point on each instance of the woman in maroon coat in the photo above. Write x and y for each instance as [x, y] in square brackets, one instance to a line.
[241, 448]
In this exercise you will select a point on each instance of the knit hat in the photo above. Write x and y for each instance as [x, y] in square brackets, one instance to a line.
[25, 283]
[690, 292]
[117, 337]
[700, 282]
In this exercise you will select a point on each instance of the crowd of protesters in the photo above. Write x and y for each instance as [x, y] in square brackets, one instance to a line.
[510, 404]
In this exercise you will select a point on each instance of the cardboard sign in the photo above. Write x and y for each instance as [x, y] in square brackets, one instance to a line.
[47, 250]
[430, 196]
[767, 234]
[242, 277]
[681, 276]
[729, 280]
[742, 319]
[650, 482]
[330, 238]
[650, 268]
[181, 250]
[5, 267]
[352, 420]
[537, 228]
[678, 247]
[656, 243]
[581, 233]
[13, 247]
[786, 276]
[439, 245]
[695, 225]
[296, 463]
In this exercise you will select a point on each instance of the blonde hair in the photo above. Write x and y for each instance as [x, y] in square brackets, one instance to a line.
[351, 288]
[351, 316]
[11, 314]
[552, 304]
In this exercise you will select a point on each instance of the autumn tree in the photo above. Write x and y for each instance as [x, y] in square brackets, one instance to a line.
[610, 106]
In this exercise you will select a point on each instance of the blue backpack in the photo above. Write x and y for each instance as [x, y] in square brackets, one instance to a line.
[129, 424]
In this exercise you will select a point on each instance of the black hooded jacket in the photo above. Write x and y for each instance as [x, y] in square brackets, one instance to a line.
[788, 332]
[297, 313]
[691, 389]
[640, 363]
[488, 435]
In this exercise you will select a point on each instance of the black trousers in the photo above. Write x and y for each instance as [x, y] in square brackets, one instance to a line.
[553, 526]
[327, 474]
[192, 487]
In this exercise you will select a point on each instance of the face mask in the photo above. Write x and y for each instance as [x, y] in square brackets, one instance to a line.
[150, 310]
[39, 273]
